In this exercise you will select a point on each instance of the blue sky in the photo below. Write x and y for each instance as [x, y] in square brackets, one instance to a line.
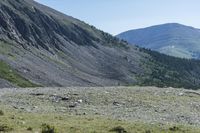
[115, 16]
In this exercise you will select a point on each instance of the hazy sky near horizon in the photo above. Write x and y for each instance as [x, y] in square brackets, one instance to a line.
[116, 16]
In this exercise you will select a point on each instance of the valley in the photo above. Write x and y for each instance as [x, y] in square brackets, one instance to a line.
[59, 74]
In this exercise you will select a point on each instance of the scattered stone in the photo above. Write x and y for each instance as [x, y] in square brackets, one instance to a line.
[116, 103]
[23, 122]
[15, 107]
[22, 108]
[28, 110]
[80, 101]
[192, 92]
[35, 107]
[72, 105]
[96, 113]
[21, 118]
[106, 92]
[56, 98]
[37, 94]
[65, 98]
[181, 94]
[129, 104]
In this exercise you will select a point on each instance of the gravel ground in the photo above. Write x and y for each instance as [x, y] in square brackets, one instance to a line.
[146, 104]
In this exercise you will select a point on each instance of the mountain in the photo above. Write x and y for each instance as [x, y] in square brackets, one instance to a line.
[171, 39]
[42, 47]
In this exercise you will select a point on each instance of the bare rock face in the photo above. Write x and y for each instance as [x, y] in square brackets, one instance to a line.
[26, 24]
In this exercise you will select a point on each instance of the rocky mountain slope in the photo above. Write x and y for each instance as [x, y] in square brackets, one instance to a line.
[42, 47]
[171, 39]
[52, 49]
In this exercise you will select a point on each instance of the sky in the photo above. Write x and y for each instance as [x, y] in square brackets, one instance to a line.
[116, 16]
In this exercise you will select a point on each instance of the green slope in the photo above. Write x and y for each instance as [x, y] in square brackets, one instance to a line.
[7, 73]
[165, 71]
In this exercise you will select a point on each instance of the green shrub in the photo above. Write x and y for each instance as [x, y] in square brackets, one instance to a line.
[147, 131]
[30, 129]
[48, 129]
[7, 73]
[174, 128]
[1, 113]
[5, 128]
[118, 129]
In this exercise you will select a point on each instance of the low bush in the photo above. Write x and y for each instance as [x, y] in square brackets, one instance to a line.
[118, 129]
[48, 129]
[1, 113]
[30, 129]
[5, 128]
[174, 128]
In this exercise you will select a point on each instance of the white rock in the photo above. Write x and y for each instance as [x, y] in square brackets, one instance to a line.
[181, 94]
[80, 101]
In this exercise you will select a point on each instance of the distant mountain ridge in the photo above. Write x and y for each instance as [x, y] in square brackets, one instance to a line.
[172, 39]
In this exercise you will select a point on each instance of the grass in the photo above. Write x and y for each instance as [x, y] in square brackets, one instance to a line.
[177, 52]
[19, 122]
[7, 50]
[7, 73]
